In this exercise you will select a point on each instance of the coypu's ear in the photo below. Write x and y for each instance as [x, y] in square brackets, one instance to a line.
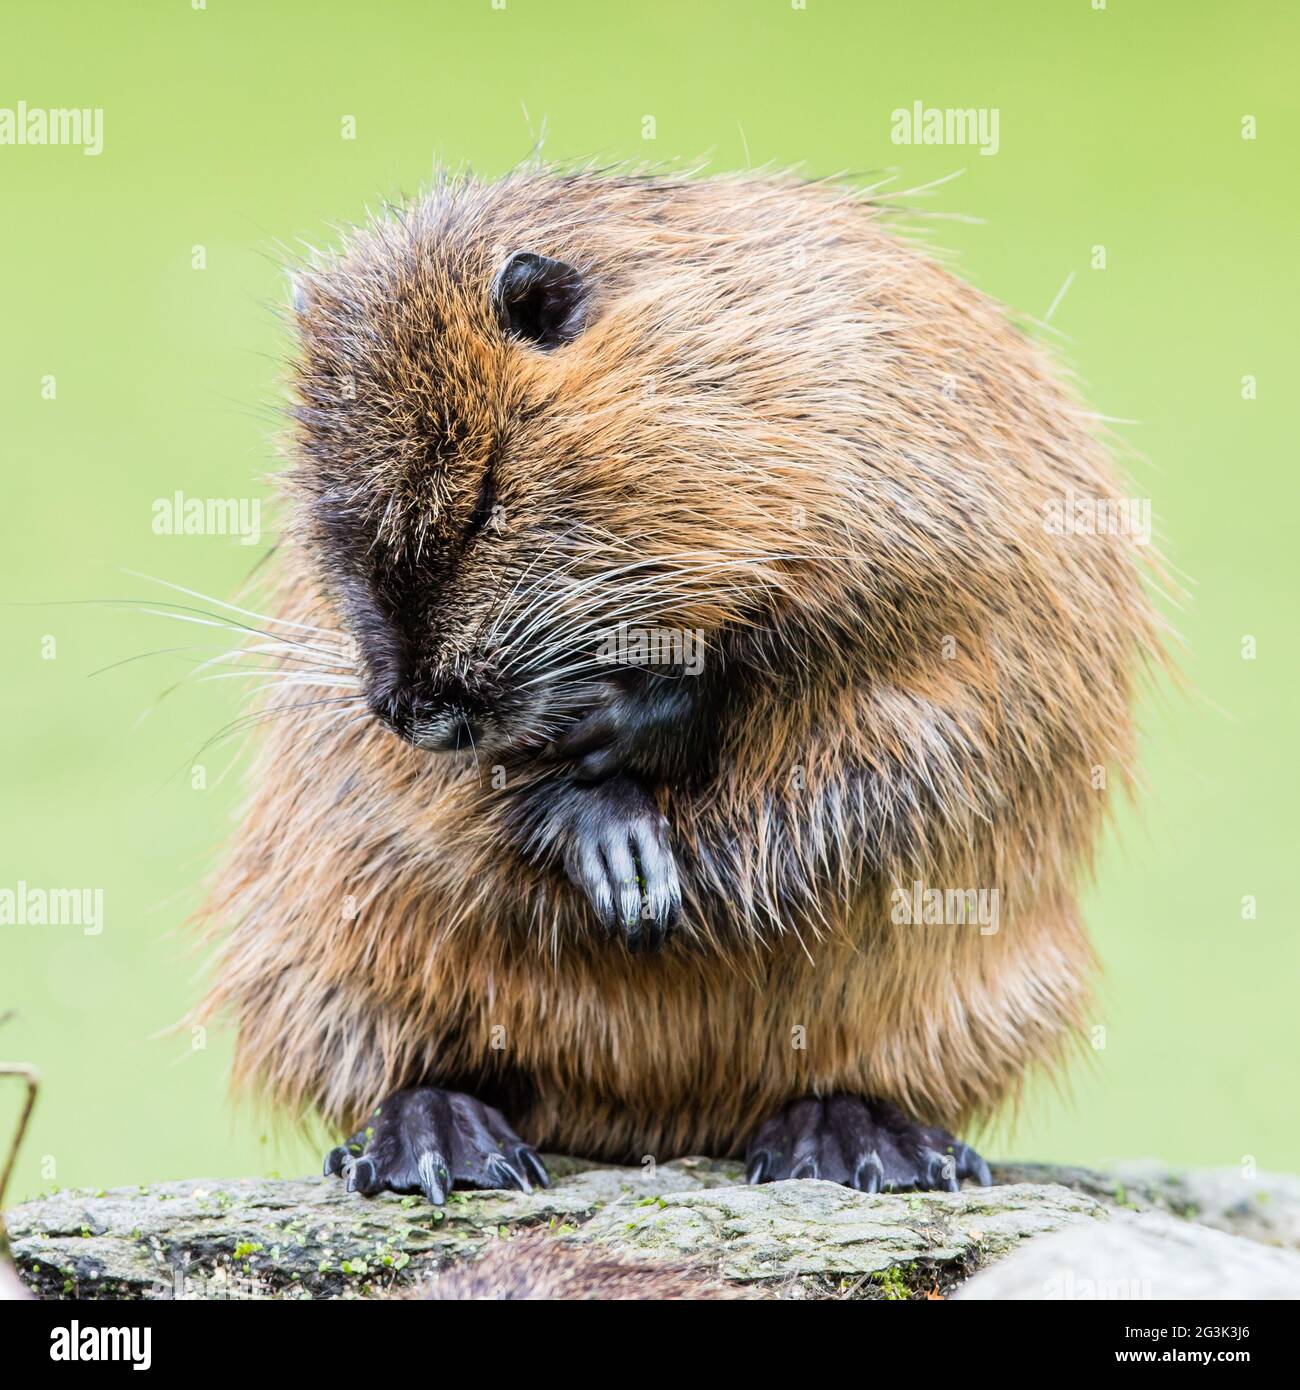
[540, 300]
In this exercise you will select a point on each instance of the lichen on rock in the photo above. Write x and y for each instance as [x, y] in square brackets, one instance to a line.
[309, 1238]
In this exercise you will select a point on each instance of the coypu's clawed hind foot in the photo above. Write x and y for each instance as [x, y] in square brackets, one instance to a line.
[867, 1144]
[428, 1140]
[614, 843]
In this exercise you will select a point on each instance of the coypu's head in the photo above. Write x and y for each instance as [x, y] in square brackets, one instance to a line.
[421, 512]
[521, 420]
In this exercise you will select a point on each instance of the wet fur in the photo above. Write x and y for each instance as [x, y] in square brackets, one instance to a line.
[832, 457]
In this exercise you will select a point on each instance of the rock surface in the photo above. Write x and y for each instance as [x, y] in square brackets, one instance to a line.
[807, 1239]
[1149, 1256]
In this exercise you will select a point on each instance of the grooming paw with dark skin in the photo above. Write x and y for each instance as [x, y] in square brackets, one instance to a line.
[647, 725]
[597, 818]
[612, 842]
[431, 1141]
[867, 1144]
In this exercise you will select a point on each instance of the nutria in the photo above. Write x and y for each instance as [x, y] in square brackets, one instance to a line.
[667, 605]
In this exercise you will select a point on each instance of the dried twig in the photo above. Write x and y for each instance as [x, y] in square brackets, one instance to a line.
[33, 1080]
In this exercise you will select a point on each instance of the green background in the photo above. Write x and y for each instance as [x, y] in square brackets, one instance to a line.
[1119, 127]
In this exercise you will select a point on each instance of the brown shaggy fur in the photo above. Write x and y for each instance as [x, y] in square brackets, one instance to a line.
[546, 1268]
[788, 426]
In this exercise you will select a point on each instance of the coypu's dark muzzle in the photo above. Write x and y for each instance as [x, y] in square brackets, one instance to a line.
[432, 716]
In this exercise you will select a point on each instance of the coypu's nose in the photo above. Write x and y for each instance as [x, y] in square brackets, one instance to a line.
[432, 717]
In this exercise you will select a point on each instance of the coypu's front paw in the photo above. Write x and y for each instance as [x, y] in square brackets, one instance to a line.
[867, 1144]
[642, 728]
[429, 1140]
[616, 850]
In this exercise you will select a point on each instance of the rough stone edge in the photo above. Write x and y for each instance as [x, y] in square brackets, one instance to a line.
[68, 1231]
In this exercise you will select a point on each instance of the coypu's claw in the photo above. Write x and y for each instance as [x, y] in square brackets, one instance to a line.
[429, 1140]
[618, 854]
[867, 1144]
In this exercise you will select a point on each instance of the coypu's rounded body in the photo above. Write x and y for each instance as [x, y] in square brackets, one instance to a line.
[765, 420]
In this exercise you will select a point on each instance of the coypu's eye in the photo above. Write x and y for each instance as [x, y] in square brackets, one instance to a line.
[540, 300]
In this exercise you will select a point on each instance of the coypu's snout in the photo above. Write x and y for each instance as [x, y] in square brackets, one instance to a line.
[421, 697]
[436, 716]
